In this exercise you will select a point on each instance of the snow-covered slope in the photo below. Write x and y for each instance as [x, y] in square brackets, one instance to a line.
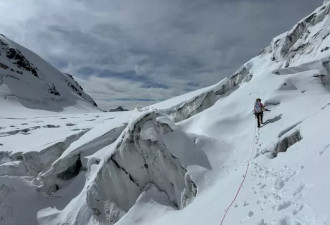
[26, 79]
[183, 161]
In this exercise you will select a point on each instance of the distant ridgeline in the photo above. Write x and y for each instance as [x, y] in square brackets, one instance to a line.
[32, 82]
[118, 109]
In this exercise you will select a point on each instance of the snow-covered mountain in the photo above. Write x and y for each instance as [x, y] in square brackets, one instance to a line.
[26, 79]
[195, 159]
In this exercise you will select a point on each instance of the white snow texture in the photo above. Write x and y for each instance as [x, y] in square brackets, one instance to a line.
[180, 161]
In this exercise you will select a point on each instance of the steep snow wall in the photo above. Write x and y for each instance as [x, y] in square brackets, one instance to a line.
[204, 100]
[139, 161]
[33, 162]
[76, 159]
[198, 104]
[307, 41]
[28, 79]
[305, 47]
[143, 161]
[186, 106]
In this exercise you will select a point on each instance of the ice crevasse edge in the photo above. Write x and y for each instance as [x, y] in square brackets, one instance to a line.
[139, 162]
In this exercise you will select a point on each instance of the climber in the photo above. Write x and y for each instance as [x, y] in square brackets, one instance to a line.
[259, 111]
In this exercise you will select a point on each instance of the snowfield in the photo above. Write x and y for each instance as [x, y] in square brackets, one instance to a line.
[195, 159]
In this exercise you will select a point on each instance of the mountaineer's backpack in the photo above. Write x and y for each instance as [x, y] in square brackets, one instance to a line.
[258, 107]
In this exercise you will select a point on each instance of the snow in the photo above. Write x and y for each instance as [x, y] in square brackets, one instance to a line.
[182, 107]
[139, 162]
[182, 98]
[182, 161]
[27, 80]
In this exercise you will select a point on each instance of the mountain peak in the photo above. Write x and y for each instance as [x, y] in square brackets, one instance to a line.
[27, 79]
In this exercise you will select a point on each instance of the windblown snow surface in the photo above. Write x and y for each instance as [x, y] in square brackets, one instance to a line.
[182, 161]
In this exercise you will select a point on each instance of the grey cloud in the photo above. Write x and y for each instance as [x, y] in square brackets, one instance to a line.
[163, 46]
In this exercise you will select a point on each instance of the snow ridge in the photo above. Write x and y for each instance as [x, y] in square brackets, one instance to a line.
[35, 84]
[139, 160]
[188, 152]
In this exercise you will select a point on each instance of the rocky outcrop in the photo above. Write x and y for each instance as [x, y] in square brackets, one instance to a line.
[118, 109]
[18, 58]
[73, 84]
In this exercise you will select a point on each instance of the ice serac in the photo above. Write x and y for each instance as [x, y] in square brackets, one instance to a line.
[307, 41]
[183, 108]
[140, 161]
[31, 163]
[304, 47]
[29, 80]
[76, 158]
[188, 105]
[199, 103]
[131, 174]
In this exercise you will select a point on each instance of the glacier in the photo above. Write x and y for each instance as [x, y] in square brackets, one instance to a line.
[181, 161]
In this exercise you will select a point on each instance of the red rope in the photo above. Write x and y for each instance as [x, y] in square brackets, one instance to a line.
[240, 187]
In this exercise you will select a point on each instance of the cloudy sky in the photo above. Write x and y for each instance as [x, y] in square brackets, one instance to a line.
[137, 52]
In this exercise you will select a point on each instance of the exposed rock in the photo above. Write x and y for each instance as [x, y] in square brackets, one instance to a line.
[53, 90]
[21, 61]
[36, 84]
[118, 109]
[73, 84]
